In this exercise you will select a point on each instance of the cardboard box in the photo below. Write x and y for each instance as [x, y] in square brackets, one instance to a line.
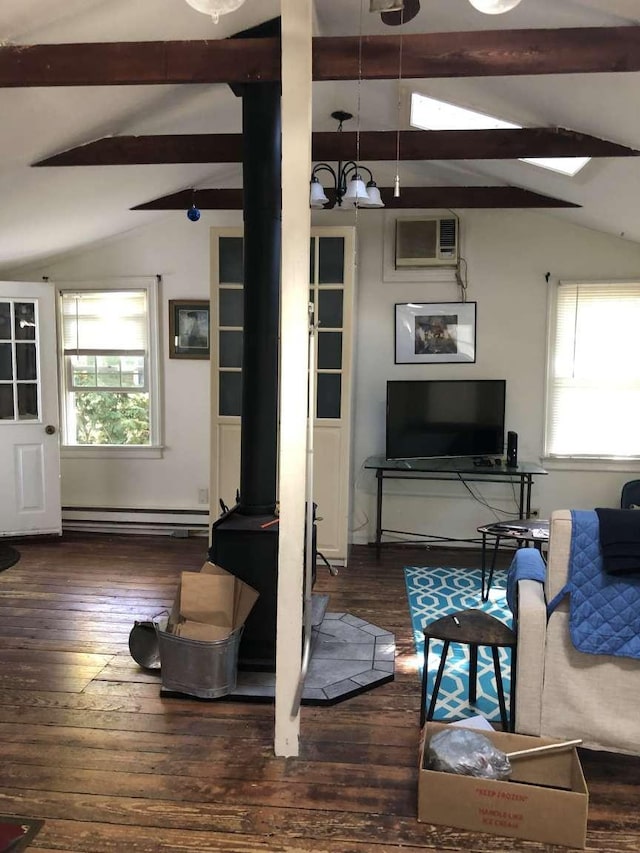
[545, 800]
[210, 604]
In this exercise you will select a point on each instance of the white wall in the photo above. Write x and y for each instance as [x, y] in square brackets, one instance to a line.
[508, 254]
[178, 250]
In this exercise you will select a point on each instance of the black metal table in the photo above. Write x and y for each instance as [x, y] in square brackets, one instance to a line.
[450, 469]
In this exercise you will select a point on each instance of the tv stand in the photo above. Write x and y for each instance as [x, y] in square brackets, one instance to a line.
[460, 468]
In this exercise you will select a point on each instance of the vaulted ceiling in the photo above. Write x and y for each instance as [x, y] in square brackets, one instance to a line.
[114, 111]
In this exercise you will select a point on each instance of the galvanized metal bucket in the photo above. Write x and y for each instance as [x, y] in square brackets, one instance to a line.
[199, 668]
[143, 645]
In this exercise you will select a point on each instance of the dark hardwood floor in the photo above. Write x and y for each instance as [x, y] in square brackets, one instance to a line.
[88, 744]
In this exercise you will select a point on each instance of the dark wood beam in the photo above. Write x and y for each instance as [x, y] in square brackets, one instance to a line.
[479, 53]
[410, 197]
[373, 145]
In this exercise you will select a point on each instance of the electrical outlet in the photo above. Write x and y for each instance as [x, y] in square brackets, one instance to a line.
[203, 496]
[534, 513]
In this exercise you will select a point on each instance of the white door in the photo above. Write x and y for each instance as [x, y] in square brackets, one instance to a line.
[29, 440]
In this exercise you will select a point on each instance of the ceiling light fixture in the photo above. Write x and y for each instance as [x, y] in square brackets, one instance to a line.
[494, 7]
[215, 8]
[349, 188]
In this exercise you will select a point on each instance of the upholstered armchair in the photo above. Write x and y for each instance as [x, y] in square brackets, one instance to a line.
[560, 691]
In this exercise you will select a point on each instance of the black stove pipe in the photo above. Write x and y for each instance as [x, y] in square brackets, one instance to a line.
[261, 163]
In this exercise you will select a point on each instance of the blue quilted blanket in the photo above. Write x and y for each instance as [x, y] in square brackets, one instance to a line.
[604, 611]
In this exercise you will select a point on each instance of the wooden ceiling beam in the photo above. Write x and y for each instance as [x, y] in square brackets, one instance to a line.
[478, 53]
[410, 198]
[501, 144]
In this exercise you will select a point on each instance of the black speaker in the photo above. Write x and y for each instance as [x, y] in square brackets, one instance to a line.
[512, 449]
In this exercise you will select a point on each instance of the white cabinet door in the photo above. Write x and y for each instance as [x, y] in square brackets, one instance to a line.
[29, 441]
[331, 289]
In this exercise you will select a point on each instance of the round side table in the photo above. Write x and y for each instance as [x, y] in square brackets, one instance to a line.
[526, 531]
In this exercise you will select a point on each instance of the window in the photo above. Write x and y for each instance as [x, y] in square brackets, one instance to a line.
[109, 365]
[431, 114]
[593, 380]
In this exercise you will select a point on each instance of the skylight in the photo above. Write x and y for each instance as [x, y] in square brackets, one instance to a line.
[431, 114]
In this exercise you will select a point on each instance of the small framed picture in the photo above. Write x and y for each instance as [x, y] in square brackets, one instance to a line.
[435, 332]
[189, 332]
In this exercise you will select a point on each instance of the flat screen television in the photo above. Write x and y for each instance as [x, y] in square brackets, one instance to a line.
[445, 417]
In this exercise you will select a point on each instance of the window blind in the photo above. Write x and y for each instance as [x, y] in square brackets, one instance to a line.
[100, 322]
[593, 394]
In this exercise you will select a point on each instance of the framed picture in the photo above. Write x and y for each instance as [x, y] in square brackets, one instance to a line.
[435, 332]
[189, 334]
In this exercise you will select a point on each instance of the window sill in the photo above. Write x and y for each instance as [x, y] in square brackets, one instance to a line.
[575, 463]
[110, 452]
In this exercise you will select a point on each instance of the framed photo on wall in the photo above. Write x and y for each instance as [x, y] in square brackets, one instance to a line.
[435, 332]
[189, 328]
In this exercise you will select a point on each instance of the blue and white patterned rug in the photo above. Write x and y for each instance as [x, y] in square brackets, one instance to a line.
[434, 592]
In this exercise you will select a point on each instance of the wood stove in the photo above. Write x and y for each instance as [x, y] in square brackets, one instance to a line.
[245, 539]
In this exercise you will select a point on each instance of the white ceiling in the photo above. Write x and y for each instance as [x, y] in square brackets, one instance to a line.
[46, 211]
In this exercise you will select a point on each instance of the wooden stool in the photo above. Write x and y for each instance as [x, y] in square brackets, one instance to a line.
[472, 628]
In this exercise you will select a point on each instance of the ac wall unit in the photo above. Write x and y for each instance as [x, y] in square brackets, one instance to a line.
[429, 242]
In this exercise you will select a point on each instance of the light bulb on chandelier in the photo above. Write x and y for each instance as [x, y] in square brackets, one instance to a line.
[494, 7]
[215, 8]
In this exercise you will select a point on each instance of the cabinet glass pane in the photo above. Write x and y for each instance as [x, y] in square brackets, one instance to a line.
[331, 260]
[330, 308]
[230, 349]
[6, 366]
[329, 389]
[312, 257]
[231, 307]
[230, 393]
[5, 321]
[28, 402]
[6, 402]
[231, 269]
[25, 321]
[26, 361]
[329, 350]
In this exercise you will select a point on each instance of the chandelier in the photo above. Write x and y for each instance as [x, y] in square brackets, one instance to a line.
[349, 188]
[215, 8]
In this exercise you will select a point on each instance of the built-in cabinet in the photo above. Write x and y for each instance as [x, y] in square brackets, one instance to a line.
[331, 291]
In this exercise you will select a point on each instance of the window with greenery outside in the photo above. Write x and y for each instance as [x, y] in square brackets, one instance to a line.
[105, 360]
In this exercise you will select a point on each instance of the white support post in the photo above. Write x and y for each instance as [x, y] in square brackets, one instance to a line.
[296, 18]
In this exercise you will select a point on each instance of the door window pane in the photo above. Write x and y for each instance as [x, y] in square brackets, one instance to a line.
[26, 361]
[230, 393]
[329, 389]
[231, 262]
[331, 260]
[330, 308]
[329, 350]
[6, 365]
[5, 321]
[230, 349]
[25, 321]
[6, 402]
[231, 307]
[28, 401]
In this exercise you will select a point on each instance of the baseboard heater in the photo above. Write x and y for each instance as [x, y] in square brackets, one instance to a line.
[170, 522]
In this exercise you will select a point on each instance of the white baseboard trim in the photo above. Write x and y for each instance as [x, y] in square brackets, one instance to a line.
[168, 522]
